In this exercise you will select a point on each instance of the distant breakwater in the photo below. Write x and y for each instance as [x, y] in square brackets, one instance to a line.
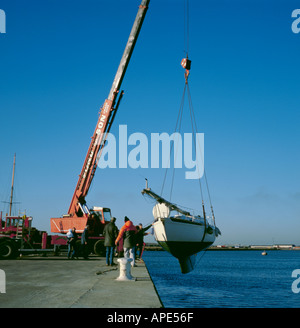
[157, 247]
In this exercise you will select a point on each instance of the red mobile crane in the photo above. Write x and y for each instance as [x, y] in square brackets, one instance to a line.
[17, 235]
[79, 214]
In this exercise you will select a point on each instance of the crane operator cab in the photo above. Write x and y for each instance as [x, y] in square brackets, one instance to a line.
[98, 218]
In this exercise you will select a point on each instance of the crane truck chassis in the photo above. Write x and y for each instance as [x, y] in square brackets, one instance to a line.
[18, 237]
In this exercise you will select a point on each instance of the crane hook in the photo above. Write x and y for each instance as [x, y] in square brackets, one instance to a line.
[186, 63]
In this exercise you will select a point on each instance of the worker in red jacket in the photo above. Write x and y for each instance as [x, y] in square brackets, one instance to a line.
[128, 232]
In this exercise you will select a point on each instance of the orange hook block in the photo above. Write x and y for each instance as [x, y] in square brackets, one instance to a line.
[186, 63]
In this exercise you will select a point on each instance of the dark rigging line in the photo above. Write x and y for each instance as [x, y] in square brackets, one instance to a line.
[175, 151]
[194, 130]
[177, 122]
[194, 120]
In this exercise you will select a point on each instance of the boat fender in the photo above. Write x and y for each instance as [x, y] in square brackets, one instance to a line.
[209, 230]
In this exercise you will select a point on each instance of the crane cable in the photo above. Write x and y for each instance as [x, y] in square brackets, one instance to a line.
[179, 117]
[186, 25]
[186, 63]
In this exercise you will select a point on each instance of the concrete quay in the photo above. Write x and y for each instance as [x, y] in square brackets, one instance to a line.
[56, 282]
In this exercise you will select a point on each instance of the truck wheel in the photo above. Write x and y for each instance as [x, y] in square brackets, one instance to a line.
[99, 248]
[7, 250]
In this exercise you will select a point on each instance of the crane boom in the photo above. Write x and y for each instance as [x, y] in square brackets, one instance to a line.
[105, 120]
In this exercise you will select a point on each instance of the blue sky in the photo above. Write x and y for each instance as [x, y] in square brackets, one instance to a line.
[58, 61]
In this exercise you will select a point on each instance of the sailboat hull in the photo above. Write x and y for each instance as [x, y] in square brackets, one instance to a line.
[183, 238]
[183, 249]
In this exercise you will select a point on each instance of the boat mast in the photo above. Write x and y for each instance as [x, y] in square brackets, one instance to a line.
[12, 186]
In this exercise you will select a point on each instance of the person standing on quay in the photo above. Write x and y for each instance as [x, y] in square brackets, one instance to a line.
[72, 247]
[69, 238]
[128, 232]
[110, 233]
[140, 238]
[84, 242]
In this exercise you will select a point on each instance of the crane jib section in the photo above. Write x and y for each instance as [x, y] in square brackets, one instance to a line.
[105, 120]
[88, 170]
[100, 128]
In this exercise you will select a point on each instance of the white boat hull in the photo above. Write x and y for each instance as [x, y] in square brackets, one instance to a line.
[183, 238]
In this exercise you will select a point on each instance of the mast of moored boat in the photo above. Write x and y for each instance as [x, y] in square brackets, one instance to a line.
[12, 187]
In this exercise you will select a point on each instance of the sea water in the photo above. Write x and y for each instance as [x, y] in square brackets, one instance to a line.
[227, 279]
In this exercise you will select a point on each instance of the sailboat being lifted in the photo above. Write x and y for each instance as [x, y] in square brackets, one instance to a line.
[183, 235]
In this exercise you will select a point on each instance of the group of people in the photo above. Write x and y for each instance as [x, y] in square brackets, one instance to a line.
[74, 249]
[132, 236]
